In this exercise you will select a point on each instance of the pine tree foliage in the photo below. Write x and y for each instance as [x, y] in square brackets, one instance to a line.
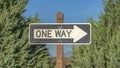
[104, 51]
[15, 50]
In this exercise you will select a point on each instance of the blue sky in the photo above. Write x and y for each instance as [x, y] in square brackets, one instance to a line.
[75, 11]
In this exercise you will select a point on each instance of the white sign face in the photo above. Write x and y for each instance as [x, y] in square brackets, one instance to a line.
[63, 33]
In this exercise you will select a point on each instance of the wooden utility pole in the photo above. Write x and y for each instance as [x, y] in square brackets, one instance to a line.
[59, 57]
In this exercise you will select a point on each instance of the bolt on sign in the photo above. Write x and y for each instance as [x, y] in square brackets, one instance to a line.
[62, 33]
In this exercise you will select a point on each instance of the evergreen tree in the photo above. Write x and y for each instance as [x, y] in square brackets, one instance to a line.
[15, 50]
[104, 50]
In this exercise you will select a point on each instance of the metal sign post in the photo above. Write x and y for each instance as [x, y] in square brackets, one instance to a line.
[59, 57]
[59, 34]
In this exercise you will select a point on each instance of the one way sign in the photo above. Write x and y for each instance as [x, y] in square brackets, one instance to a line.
[62, 33]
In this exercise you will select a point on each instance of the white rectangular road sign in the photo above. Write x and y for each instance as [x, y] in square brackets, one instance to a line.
[62, 33]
